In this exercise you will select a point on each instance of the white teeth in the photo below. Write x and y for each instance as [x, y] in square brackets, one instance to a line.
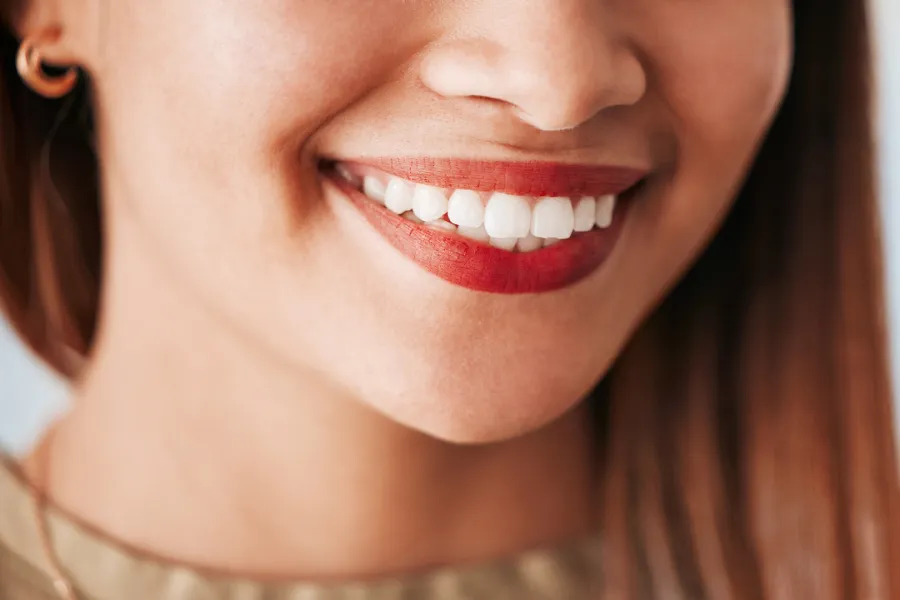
[374, 189]
[474, 233]
[585, 213]
[507, 216]
[553, 218]
[442, 224]
[466, 209]
[529, 244]
[504, 243]
[605, 207]
[505, 221]
[429, 203]
[399, 196]
[411, 216]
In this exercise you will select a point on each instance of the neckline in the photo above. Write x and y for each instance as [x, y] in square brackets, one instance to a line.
[103, 569]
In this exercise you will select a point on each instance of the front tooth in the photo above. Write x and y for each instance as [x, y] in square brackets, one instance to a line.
[507, 216]
[529, 243]
[550, 242]
[474, 233]
[429, 203]
[374, 188]
[605, 207]
[466, 209]
[553, 218]
[398, 196]
[504, 243]
[585, 213]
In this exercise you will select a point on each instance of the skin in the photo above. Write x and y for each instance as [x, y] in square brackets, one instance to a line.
[275, 390]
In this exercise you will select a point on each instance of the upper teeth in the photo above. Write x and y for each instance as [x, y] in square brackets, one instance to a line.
[429, 203]
[466, 209]
[374, 188]
[553, 218]
[505, 220]
[585, 213]
[398, 195]
[605, 207]
[507, 216]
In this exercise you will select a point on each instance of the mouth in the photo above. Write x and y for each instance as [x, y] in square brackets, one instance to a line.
[496, 227]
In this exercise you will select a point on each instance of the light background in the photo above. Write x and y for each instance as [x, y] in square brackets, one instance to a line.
[28, 397]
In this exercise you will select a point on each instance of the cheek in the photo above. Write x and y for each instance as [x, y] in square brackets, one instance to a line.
[722, 71]
[204, 121]
[718, 70]
[222, 104]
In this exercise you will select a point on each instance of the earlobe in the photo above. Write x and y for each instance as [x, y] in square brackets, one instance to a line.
[30, 65]
[51, 26]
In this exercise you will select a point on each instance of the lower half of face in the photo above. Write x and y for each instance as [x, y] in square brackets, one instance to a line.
[451, 212]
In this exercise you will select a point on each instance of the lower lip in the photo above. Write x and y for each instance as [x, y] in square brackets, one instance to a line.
[483, 268]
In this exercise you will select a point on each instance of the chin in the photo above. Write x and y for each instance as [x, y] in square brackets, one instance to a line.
[477, 414]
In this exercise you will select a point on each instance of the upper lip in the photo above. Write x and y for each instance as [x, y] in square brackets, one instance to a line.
[521, 178]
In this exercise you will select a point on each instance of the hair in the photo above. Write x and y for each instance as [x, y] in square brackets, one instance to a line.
[746, 430]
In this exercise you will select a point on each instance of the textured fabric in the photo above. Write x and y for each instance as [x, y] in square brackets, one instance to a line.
[103, 571]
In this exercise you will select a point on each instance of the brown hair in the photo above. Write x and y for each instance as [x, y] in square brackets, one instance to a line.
[748, 444]
[50, 242]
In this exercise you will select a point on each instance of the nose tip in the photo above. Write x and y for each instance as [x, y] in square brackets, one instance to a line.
[551, 87]
[564, 98]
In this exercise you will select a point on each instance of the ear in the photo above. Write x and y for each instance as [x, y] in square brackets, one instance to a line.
[54, 27]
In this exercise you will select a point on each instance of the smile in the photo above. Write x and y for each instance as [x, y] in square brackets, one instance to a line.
[506, 228]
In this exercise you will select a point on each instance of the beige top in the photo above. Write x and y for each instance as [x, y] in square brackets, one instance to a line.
[103, 571]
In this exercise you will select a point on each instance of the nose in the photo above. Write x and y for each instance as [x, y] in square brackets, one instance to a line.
[555, 63]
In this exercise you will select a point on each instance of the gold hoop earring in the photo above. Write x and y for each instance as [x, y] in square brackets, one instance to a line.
[31, 69]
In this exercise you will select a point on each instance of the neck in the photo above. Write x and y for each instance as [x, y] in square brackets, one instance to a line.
[188, 443]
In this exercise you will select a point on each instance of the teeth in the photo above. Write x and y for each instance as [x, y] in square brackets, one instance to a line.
[374, 189]
[585, 214]
[553, 218]
[474, 233]
[504, 243]
[507, 221]
[346, 175]
[442, 224]
[429, 203]
[466, 209]
[411, 216]
[529, 244]
[398, 197]
[507, 216]
[605, 207]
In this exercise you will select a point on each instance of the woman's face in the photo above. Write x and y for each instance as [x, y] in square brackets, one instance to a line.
[223, 122]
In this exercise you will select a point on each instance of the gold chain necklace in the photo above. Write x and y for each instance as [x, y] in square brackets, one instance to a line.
[61, 583]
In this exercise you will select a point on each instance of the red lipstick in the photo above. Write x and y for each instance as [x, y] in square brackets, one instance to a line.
[519, 178]
[479, 266]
